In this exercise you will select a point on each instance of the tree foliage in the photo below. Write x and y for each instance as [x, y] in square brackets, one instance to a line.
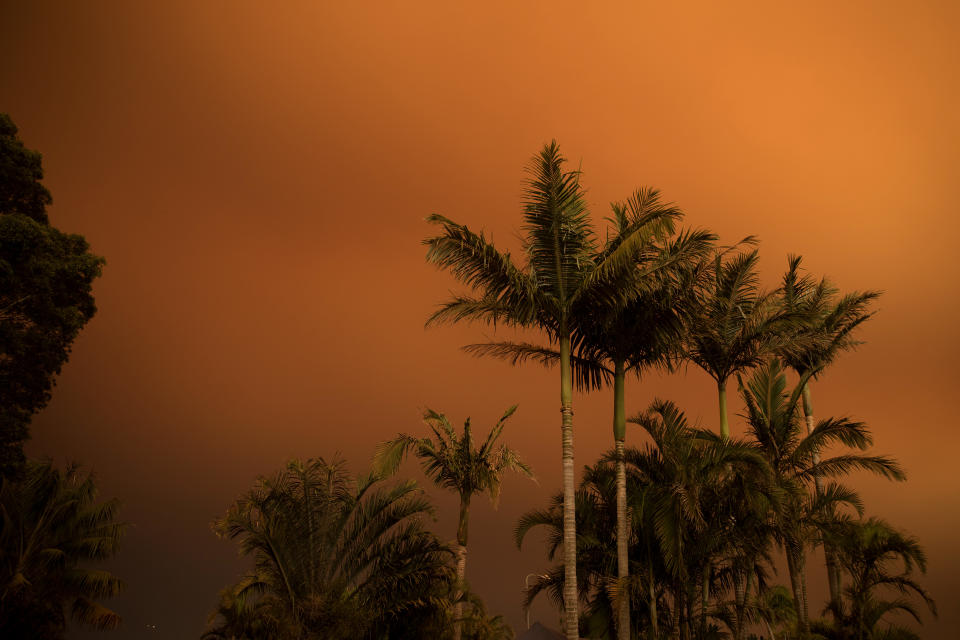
[51, 528]
[334, 558]
[46, 295]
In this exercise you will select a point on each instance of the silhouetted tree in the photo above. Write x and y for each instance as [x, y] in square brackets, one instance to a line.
[563, 279]
[51, 529]
[453, 463]
[337, 558]
[45, 294]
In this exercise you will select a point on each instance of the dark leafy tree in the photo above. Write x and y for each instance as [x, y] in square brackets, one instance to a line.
[52, 528]
[45, 295]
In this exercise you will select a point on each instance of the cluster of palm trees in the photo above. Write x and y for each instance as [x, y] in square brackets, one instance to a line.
[695, 515]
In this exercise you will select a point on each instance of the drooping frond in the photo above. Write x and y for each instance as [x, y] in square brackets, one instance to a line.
[587, 374]
[52, 526]
[479, 265]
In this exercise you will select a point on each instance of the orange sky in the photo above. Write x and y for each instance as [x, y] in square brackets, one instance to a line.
[257, 180]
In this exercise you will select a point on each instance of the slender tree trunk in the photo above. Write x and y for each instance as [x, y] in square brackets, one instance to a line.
[652, 605]
[722, 395]
[623, 531]
[705, 594]
[795, 567]
[769, 629]
[746, 597]
[828, 552]
[739, 598]
[462, 526]
[571, 617]
[794, 580]
[685, 612]
[802, 562]
[677, 607]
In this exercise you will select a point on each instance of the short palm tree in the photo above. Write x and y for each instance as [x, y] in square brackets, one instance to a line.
[773, 423]
[51, 528]
[239, 617]
[692, 474]
[869, 552]
[564, 277]
[597, 582]
[453, 462]
[337, 557]
[824, 328]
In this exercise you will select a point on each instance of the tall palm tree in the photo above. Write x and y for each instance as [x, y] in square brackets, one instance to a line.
[562, 279]
[453, 463]
[51, 527]
[825, 329]
[732, 324]
[337, 557]
[773, 422]
[638, 336]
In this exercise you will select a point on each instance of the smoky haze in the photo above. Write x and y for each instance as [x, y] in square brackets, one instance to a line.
[257, 176]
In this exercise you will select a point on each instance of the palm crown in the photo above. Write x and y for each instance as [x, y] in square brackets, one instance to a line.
[826, 322]
[51, 525]
[452, 461]
[335, 555]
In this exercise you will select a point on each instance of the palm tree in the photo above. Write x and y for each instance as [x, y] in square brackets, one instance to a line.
[239, 617]
[563, 279]
[636, 337]
[773, 422]
[694, 478]
[825, 329]
[51, 526]
[774, 607]
[453, 463]
[337, 557]
[732, 324]
[479, 625]
[868, 551]
[598, 588]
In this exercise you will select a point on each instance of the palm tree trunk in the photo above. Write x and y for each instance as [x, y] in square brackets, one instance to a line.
[705, 594]
[652, 605]
[794, 566]
[746, 598]
[571, 617]
[623, 533]
[462, 525]
[739, 598]
[828, 552]
[677, 607]
[722, 395]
